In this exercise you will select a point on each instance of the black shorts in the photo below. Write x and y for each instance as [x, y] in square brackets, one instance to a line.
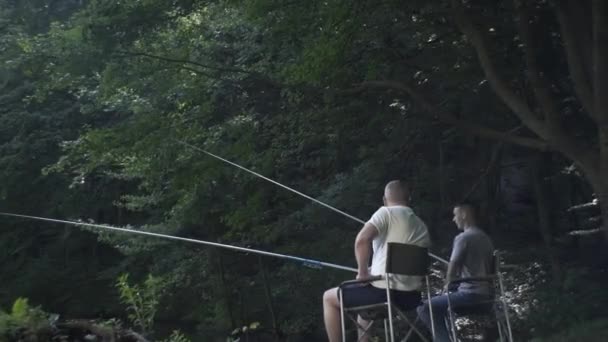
[359, 295]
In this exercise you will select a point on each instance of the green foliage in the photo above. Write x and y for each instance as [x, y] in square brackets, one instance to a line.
[244, 332]
[142, 300]
[32, 129]
[22, 317]
[95, 94]
[176, 336]
[590, 331]
[250, 88]
[574, 304]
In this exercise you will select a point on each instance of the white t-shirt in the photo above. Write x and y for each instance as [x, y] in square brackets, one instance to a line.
[397, 224]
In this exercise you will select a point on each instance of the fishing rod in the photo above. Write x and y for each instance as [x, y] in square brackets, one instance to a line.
[306, 262]
[286, 187]
[272, 181]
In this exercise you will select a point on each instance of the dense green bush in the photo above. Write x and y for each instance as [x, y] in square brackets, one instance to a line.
[176, 336]
[592, 331]
[23, 320]
[570, 308]
[141, 299]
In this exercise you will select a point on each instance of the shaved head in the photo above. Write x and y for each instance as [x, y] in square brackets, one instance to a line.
[396, 192]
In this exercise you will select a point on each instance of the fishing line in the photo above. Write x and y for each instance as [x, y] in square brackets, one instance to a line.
[285, 187]
[272, 181]
[306, 262]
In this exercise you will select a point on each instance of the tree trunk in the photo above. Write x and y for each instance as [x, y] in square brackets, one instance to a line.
[600, 180]
[548, 126]
[442, 189]
[268, 294]
[492, 187]
[544, 216]
[225, 288]
[603, 198]
[600, 96]
[435, 226]
[601, 189]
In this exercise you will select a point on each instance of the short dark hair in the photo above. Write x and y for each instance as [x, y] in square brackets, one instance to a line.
[470, 207]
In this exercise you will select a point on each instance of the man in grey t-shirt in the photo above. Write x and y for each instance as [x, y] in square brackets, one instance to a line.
[471, 257]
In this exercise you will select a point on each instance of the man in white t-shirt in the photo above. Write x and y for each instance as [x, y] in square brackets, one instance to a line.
[394, 222]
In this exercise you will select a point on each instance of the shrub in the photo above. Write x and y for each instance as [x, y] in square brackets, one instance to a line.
[141, 299]
[593, 331]
[22, 320]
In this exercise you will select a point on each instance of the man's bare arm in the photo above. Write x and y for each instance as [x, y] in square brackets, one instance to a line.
[363, 248]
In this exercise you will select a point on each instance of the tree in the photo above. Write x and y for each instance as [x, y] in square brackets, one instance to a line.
[311, 93]
[33, 127]
[584, 33]
[543, 102]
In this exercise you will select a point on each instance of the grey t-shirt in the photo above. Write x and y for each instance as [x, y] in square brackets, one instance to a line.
[476, 249]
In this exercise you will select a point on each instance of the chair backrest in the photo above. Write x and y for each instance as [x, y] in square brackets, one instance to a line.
[407, 259]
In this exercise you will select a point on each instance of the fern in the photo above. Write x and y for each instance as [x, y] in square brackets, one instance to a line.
[141, 299]
[176, 336]
[20, 309]
[21, 317]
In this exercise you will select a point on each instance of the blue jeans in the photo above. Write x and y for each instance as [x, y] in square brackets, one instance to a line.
[440, 311]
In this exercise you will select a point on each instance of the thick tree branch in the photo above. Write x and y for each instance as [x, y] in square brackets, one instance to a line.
[577, 64]
[172, 67]
[448, 118]
[519, 107]
[492, 165]
[558, 140]
[183, 64]
[196, 71]
[600, 62]
[600, 88]
[540, 85]
[186, 61]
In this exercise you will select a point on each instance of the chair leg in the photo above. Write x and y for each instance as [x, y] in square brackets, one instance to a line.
[509, 333]
[409, 333]
[452, 319]
[499, 323]
[390, 325]
[410, 330]
[412, 327]
[390, 308]
[342, 322]
[386, 330]
[501, 336]
[428, 295]
[365, 330]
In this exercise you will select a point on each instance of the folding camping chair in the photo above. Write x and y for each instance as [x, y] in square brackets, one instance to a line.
[401, 259]
[495, 306]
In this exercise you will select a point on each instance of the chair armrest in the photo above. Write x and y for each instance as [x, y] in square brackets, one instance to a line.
[361, 281]
[489, 279]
